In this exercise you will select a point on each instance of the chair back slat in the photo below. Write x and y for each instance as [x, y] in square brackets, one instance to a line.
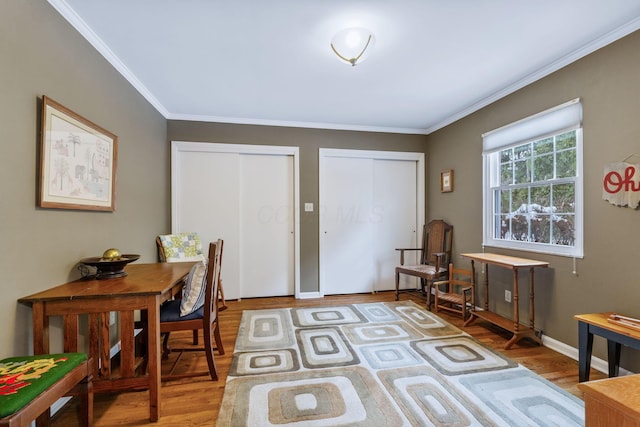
[213, 281]
[437, 237]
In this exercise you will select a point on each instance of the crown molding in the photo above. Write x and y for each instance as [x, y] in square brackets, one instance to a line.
[295, 124]
[81, 26]
[74, 19]
[585, 50]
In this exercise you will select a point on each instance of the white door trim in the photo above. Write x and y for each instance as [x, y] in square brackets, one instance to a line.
[323, 153]
[178, 147]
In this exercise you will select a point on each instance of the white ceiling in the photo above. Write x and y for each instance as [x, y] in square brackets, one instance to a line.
[270, 62]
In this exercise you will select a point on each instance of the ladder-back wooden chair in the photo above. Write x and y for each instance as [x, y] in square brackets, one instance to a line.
[204, 318]
[433, 258]
[457, 294]
[184, 247]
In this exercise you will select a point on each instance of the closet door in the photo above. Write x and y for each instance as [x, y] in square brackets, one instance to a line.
[371, 203]
[205, 200]
[245, 195]
[266, 234]
[396, 219]
[347, 232]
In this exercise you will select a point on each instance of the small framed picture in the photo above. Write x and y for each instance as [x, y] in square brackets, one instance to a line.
[446, 181]
[78, 159]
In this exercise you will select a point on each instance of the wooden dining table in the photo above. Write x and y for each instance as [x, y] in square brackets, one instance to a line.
[144, 288]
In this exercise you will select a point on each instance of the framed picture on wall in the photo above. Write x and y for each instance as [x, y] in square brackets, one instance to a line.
[77, 161]
[446, 181]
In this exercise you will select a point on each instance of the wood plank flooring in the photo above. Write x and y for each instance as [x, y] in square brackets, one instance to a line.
[196, 401]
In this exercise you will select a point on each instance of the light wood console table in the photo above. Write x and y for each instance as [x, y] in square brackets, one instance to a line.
[515, 264]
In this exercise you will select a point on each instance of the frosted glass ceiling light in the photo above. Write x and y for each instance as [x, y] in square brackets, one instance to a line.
[352, 45]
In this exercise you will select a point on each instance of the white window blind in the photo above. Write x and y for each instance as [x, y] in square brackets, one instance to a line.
[555, 120]
[532, 189]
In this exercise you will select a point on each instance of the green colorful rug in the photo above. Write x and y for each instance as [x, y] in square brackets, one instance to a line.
[379, 364]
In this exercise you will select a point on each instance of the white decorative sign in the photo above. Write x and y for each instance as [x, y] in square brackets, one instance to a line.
[621, 184]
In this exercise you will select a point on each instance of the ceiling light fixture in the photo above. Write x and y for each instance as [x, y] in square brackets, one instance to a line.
[352, 45]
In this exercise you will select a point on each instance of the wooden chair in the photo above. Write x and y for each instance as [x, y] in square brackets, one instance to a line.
[457, 294]
[184, 247]
[30, 385]
[205, 318]
[434, 258]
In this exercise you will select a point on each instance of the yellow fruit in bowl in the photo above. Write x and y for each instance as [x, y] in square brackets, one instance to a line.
[111, 255]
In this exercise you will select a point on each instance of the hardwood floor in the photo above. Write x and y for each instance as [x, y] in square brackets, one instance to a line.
[196, 401]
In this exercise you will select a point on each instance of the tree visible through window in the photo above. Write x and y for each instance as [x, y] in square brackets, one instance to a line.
[533, 188]
[535, 201]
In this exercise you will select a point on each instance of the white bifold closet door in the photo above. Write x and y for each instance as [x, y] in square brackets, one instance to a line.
[246, 196]
[370, 204]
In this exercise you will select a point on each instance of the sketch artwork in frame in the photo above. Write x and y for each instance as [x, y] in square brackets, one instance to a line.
[78, 161]
[446, 181]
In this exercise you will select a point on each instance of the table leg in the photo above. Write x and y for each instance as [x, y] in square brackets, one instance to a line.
[486, 286]
[585, 347]
[613, 356]
[516, 303]
[153, 352]
[532, 306]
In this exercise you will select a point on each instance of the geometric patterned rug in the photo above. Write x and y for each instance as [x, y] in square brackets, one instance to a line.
[379, 364]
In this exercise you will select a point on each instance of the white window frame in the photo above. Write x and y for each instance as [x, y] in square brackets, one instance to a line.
[554, 121]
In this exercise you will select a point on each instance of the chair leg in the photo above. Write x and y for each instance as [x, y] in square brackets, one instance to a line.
[436, 303]
[466, 298]
[222, 303]
[216, 333]
[208, 349]
[165, 346]
[397, 285]
[195, 337]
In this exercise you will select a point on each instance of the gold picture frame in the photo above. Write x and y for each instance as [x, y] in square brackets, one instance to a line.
[77, 164]
[446, 181]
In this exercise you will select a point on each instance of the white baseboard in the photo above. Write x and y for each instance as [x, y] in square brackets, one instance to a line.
[309, 295]
[598, 364]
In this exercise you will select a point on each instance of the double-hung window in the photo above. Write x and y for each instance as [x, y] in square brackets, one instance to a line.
[533, 183]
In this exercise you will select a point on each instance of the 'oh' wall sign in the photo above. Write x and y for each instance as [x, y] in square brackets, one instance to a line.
[621, 184]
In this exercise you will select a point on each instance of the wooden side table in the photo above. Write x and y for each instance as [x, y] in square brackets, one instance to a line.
[612, 402]
[513, 324]
[616, 335]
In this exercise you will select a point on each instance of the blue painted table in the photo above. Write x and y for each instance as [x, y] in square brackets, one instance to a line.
[616, 336]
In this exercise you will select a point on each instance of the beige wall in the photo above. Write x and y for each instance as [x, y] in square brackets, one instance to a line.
[41, 54]
[608, 82]
[309, 141]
